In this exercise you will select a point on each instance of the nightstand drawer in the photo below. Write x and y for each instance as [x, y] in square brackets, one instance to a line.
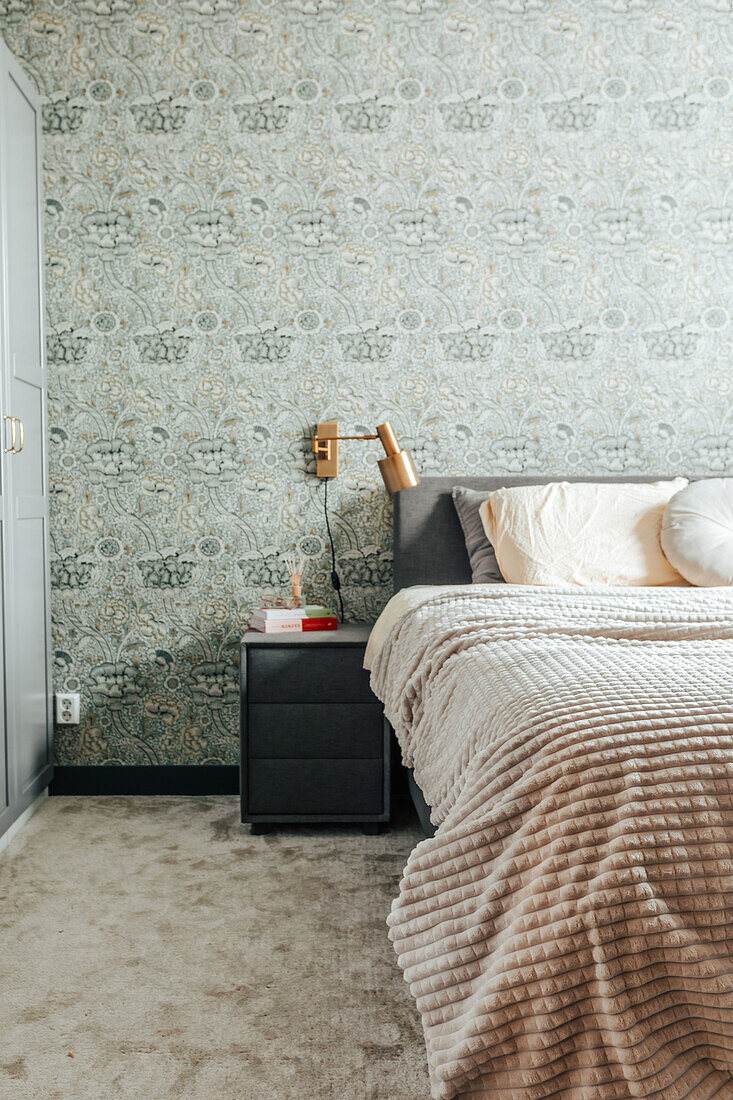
[317, 730]
[315, 787]
[296, 674]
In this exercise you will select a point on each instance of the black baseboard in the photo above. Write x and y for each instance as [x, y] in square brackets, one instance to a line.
[148, 779]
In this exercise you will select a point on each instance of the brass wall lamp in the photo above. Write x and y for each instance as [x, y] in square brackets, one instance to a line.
[397, 468]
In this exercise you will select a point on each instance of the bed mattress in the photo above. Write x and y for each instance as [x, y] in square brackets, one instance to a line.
[568, 931]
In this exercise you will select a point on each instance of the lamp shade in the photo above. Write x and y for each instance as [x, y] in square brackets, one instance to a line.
[398, 472]
[397, 468]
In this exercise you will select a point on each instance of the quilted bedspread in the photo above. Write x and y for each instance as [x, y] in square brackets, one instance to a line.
[568, 931]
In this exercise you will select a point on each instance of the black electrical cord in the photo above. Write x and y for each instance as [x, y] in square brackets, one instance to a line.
[335, 579]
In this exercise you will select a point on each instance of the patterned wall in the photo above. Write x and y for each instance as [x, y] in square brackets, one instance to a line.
[504, 225]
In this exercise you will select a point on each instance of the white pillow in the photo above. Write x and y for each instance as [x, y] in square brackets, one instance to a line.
[584, 533]
[697, 532]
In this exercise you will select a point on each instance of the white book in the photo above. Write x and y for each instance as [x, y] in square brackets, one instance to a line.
[280, 612]
[276, 626]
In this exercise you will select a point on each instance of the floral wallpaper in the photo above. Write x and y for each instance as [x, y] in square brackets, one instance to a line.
[505, 225]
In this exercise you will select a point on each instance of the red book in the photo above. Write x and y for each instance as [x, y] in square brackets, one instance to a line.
[328, 623]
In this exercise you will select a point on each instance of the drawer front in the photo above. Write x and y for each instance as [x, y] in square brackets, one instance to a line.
[296, 674]
[315, 787]
[320, 730]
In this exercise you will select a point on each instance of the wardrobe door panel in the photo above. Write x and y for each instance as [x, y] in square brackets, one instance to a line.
[30, 728]
[8, 811]
[28, 466]
[22, 230]
[32, 745]
[6, 808]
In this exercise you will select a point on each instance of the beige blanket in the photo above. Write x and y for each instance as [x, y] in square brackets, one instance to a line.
[568, 932]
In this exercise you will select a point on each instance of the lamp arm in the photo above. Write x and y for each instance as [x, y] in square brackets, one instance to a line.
[351, 437]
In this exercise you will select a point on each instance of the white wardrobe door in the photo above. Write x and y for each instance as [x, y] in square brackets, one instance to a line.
[29, 694]
[6, 809]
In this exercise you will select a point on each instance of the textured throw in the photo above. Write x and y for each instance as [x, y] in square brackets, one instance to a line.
[568, 931]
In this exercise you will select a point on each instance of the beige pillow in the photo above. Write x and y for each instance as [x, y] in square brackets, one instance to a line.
[584, 533]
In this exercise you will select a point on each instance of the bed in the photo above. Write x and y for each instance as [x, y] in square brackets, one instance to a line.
[429, 549]
[567, 931]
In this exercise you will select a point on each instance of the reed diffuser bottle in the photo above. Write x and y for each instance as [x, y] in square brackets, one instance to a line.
[295, 568]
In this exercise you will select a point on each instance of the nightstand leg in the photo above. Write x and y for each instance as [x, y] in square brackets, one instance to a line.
[372, 828]
[260, 829]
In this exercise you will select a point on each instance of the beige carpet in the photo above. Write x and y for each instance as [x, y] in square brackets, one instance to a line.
[151, 948]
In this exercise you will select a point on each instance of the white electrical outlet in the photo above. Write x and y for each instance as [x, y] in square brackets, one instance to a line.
[67, 709]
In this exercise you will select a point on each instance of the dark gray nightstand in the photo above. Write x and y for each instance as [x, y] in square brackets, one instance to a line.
[315, 746]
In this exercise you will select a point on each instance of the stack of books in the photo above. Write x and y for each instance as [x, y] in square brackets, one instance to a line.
[287, 620]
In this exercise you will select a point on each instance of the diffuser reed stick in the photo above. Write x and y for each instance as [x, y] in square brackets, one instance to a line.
[296, 568]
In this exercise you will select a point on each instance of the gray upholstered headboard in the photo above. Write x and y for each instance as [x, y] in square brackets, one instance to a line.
[428, 540]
